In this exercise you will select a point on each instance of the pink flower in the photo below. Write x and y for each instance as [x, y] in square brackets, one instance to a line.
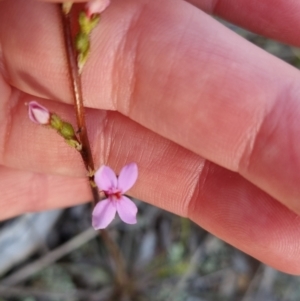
[96, 7]
[38, 114]
[114, 187]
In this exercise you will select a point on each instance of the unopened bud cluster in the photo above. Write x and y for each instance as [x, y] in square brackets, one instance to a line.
[88, 20]
[41, 115]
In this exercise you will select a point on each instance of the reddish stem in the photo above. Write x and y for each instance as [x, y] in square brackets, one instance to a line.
[86, 152]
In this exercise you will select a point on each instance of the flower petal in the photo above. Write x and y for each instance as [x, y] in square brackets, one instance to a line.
[127, 210]
[127, 177]
[38, 113]
[105, 178]
[103, 214]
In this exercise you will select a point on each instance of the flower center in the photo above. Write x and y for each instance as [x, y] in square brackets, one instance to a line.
[116, 195]
[113, 194]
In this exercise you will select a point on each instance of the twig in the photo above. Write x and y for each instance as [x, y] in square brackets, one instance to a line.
[116, 254]
[190, 271]
[86, 152]
[32, 268]
[8, 292]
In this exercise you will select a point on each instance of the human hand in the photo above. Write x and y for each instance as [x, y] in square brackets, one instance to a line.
[211, 120]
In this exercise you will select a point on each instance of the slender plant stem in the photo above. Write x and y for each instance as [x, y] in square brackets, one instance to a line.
[86, 153]
[116, 254]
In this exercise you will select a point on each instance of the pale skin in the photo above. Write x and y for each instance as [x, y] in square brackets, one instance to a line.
[212, 121]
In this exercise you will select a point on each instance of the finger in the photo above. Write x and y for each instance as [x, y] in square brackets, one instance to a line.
[184, 77]
[27, 192]
[171, 177]
[278, 20]
[236, 211]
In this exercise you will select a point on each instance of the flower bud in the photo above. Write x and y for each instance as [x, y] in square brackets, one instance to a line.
[96, 7]
[87, 23]
[38, 114]
[82, 43]
[55, 122]
[67, 131]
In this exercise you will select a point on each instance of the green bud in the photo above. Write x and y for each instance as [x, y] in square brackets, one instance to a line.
[94, 21]
[55, 122]
[67, 131]
[83, 22]
[87, 24]
[82, 42]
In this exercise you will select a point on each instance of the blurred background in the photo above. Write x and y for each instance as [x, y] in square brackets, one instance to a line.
[56, 256]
